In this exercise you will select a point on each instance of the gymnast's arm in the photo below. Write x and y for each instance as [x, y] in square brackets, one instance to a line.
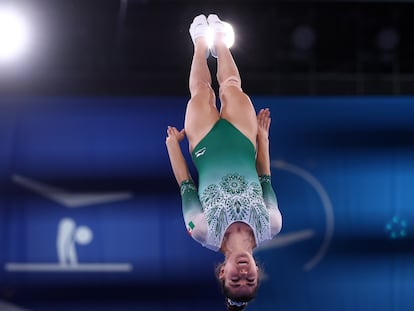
[263, 170]
[178, 163]
[192, 210]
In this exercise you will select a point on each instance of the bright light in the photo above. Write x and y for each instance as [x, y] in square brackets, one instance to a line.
[13, 34]
[210, 37]
[228, 39]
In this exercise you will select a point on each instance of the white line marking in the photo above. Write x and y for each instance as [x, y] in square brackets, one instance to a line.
[6, 306]
[327, 205]
[53, 267]
[69, 199]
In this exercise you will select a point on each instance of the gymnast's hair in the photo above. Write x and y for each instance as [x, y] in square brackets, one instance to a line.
[234, 303]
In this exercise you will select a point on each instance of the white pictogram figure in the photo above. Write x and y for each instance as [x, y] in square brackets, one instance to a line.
[68, 236]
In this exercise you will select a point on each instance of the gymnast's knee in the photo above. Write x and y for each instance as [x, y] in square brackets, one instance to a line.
[232, 81]
[201, 90]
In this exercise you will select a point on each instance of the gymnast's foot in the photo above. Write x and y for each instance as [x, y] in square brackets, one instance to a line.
[221, 30]
[199, 27]
[216, 24]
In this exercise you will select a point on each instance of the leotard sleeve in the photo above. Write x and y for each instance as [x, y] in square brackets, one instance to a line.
[194, 216]
[270, 200]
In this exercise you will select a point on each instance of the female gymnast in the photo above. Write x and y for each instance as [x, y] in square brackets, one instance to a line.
[234, 208]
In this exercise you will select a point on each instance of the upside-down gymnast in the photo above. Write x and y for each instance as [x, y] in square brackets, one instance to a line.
[234, 208]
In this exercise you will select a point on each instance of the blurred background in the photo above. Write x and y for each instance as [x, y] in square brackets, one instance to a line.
[90, 215]
[283, 47]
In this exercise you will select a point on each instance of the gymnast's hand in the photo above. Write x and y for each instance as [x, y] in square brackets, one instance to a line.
[173, 135]
[263, 122]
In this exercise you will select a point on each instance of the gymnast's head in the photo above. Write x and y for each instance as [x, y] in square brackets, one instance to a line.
[239, 278]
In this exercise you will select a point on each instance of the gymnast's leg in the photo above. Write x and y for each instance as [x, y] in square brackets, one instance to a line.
[236, 106]
[201, 113]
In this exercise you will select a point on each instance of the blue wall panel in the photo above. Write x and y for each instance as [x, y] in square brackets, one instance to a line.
[89, 207]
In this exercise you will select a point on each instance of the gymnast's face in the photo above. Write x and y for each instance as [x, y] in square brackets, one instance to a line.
[240, 274]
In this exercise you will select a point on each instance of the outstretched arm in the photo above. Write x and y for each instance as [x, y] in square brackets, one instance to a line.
[178, 163]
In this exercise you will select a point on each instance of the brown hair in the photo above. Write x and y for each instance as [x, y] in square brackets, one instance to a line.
[228, 294]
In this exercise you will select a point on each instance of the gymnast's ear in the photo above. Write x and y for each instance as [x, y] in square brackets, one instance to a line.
[220, 271]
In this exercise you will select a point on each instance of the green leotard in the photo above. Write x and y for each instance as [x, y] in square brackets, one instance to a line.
[229, 189]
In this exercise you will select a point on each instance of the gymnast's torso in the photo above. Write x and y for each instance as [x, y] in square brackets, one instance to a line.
[229, 189]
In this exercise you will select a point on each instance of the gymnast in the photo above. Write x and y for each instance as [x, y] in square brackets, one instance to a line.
[234, 208]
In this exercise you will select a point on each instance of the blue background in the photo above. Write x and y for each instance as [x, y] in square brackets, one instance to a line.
[359, 149]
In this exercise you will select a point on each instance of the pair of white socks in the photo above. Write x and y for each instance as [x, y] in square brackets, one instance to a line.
[207, 27]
